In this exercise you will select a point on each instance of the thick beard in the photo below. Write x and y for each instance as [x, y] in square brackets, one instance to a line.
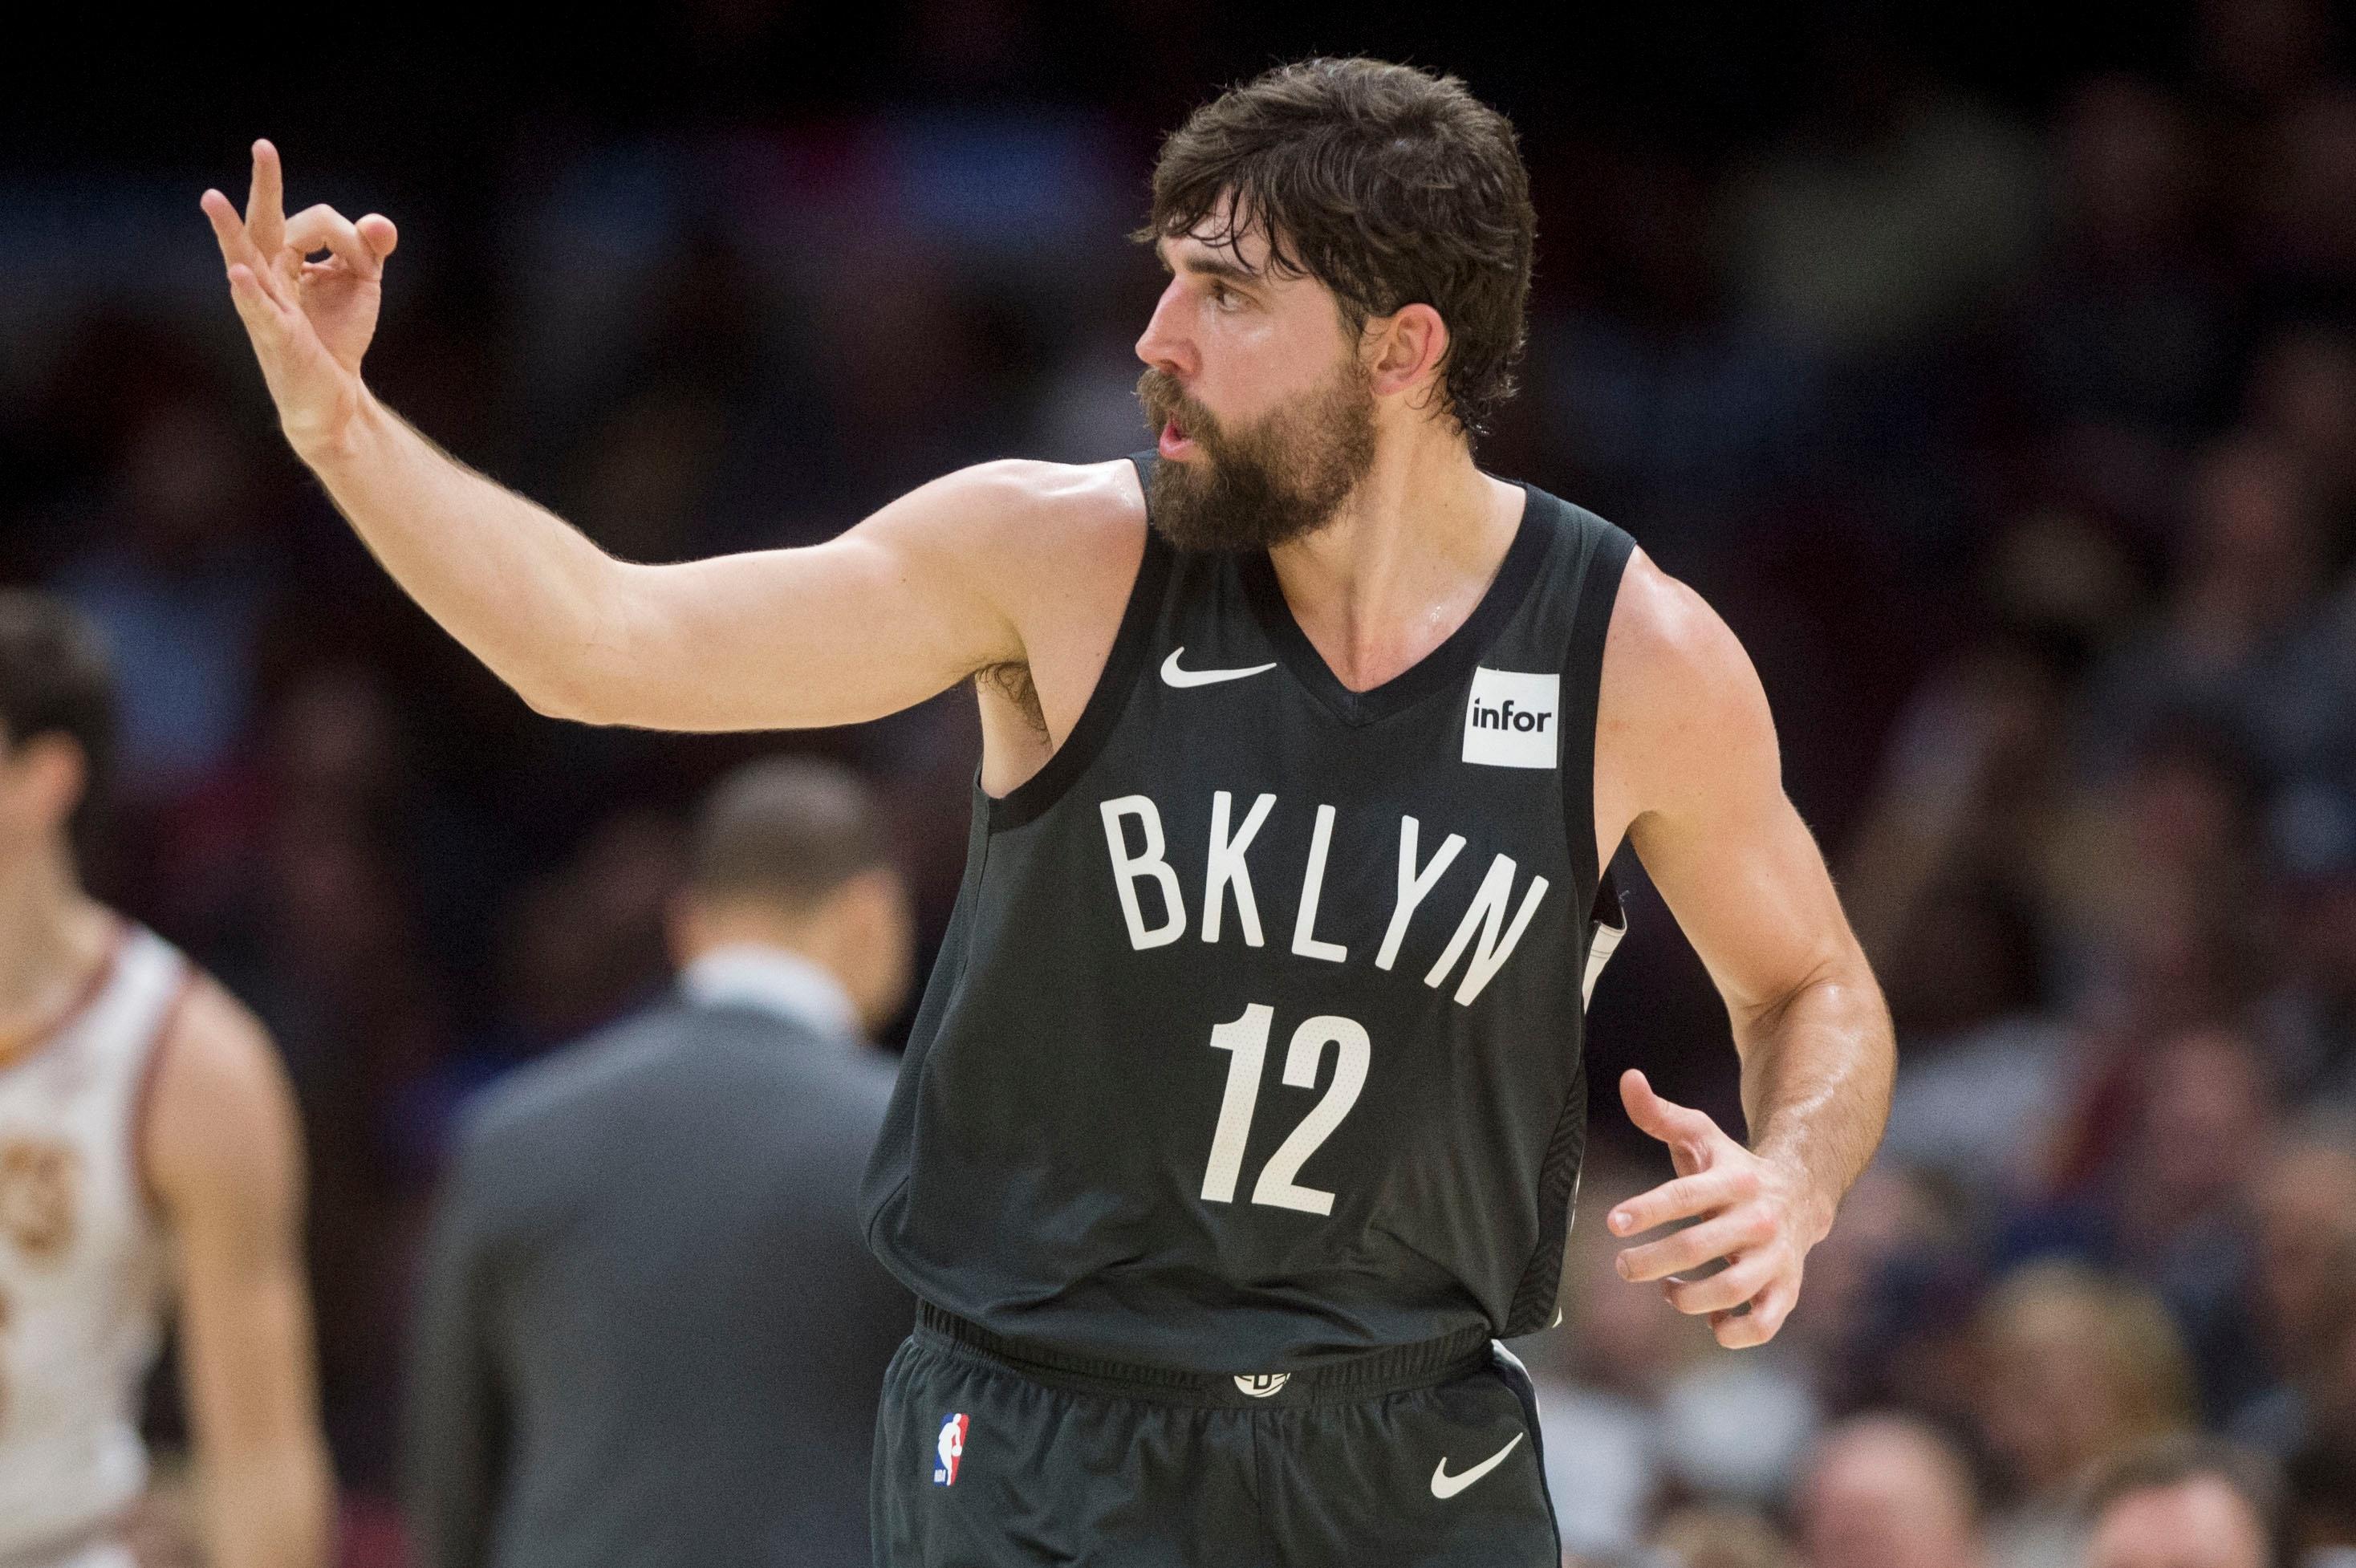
[1259, 486]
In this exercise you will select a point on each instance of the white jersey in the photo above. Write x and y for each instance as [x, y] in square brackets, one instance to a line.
[82, 1266]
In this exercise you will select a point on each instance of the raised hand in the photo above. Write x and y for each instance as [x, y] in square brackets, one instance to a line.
[309, 321]
[1753, 1212]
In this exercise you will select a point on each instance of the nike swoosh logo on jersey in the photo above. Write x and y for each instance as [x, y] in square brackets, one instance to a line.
[1444, 1484]
[1177, 677]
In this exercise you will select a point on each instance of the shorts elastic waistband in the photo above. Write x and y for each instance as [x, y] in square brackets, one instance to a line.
[1392, 1370]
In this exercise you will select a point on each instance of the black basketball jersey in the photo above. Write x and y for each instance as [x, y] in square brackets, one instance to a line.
[1256, 1036]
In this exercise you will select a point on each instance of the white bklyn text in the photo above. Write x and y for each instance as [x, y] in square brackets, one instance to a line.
[1141, 854]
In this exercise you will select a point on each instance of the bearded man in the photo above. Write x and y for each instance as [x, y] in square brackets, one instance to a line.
[1243, 1113]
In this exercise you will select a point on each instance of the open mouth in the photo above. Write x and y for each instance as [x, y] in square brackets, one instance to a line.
[1175, 442]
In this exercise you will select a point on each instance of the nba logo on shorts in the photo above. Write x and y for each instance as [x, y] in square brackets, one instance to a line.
[952, 1449]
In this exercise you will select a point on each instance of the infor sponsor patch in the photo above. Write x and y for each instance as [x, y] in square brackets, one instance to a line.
[1514, 720]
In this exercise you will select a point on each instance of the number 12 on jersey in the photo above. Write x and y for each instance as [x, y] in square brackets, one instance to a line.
[1246, 1041]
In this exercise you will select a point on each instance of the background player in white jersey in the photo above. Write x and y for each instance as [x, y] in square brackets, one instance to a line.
[148, 1156]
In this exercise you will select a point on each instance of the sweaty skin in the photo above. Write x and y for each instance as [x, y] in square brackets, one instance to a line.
[1026, 566]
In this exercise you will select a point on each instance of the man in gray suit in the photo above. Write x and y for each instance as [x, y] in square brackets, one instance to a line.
[648, 1331]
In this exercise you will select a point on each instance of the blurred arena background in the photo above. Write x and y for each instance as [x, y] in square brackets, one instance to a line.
[1992, 369]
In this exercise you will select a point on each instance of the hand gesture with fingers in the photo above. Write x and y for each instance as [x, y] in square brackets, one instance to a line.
[1752, 1211]
[310, 321]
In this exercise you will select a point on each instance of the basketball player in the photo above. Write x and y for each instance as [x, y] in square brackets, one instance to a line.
[147, 1151]
[1244, 1108]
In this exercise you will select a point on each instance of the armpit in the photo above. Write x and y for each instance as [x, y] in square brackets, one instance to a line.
[1012, 681]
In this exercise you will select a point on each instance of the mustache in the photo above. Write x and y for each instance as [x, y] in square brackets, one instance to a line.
[1159, 393]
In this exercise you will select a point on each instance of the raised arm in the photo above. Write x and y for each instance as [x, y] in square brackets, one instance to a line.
[924, 593]
[1687, 763]
[223, 1156]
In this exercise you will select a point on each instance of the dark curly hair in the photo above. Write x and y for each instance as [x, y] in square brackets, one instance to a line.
[1390, 185]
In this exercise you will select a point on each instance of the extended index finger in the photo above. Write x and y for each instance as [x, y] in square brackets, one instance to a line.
[265, 202]
[228, 229]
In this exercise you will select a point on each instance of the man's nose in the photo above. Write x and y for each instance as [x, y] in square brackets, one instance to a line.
[1161, 345]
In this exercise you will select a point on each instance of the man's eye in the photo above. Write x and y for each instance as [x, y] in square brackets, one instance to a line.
[1223, 297]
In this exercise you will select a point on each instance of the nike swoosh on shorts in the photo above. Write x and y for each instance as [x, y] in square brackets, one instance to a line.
[1444, 1484]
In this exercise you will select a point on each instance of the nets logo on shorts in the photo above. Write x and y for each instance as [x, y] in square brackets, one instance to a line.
[952, 1449]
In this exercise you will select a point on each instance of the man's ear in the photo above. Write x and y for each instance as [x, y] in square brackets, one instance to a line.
[870, 900]
[54, 775]
[1408, 347]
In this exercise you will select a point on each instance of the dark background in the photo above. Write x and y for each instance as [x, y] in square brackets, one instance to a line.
[1991, 369]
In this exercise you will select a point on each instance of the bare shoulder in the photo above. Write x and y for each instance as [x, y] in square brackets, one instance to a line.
[1681, 708]
[1071, 495]
[1665, 638]
[1055, 548]
[1091, 536]
[218, 1119]
[1045, 544]
[1015, 506]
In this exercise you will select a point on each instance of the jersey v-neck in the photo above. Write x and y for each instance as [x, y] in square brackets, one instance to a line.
[36, 1041]
[1443, 665]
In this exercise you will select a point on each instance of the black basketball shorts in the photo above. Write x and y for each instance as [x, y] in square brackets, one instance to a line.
[993, 1456]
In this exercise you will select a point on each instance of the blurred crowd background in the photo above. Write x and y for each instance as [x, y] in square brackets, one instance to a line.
[1992, 370]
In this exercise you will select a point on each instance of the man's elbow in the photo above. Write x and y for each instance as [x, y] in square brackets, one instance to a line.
[1838, 985]
[583, 667]
[554, 700]
[577, 694]
[1846, 988]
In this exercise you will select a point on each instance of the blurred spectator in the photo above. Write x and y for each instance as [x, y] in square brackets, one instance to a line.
[2252, 564]
[1984, 1072]
[2303, 393]
[2127, 327]
[1966, 795]
[580, 943]
[2302, 220]
[1901, 203]
[649, 1327]
[2168, 1209]
[2322, 1469]
[1736, 1428]
[1668, 393]
[2139, 913]
[1891, 1296]
[2323, 1477]
[2076, 1370]
[2303, 1286]
[1885, 1491]
[1719, 1538]
[2186, 1503]
[2312, 1011]
[2253, 54]
[181, 584]
[2207, 1109]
